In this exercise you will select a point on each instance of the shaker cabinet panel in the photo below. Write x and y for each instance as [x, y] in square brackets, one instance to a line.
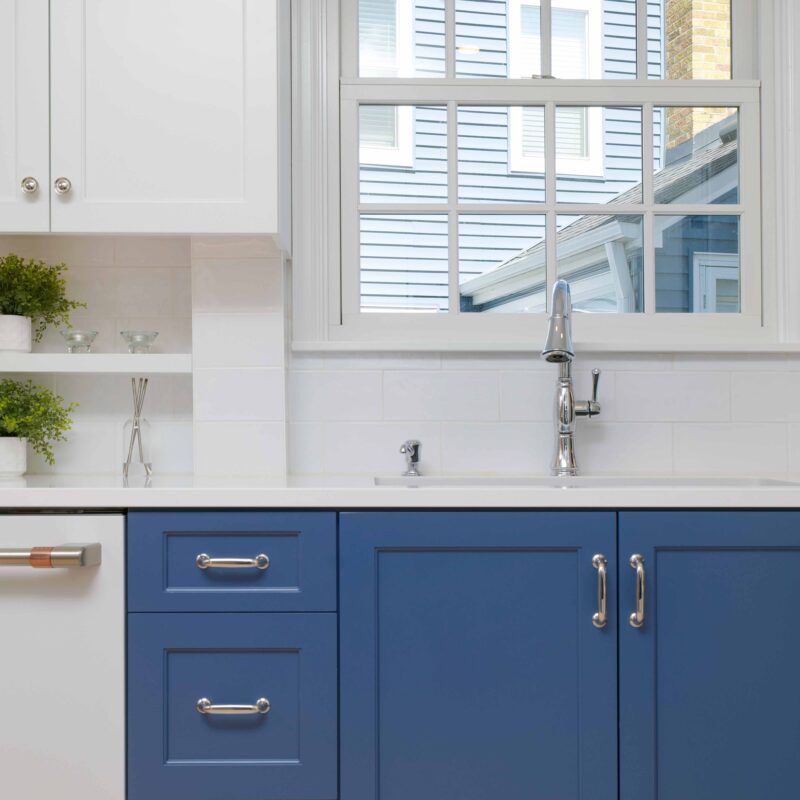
[709, 696]
[164, 115]
[24, 119]
[470, 664]
[278, 671]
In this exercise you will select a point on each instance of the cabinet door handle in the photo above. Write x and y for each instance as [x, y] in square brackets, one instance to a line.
[64, 555]
[600, 617]
[637, 618]
[204, 561]
[205, 706]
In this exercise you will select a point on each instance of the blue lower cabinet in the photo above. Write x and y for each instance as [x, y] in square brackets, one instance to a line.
[709, 689]
[177, 660]
[470, 665]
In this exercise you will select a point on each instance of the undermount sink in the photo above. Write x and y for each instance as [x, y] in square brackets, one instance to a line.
[587, 482]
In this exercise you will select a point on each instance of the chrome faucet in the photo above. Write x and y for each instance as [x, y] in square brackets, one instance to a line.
[558, 350]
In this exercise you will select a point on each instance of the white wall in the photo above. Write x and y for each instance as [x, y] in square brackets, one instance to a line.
[127, 282]
[493, 414]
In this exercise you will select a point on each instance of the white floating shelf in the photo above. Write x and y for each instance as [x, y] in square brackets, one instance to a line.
[98, 363]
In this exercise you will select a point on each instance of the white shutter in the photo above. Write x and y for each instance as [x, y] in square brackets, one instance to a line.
[378, 126]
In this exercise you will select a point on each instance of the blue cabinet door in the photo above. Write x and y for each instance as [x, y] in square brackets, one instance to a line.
[175, 751]
[470, 666]
[709, 690]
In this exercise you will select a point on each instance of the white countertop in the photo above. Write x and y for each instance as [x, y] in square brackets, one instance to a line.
[108, 492]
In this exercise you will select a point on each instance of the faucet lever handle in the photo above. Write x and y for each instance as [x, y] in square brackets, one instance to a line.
[411, 450]
[595, 381]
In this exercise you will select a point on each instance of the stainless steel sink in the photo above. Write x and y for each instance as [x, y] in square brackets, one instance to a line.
[588, 482]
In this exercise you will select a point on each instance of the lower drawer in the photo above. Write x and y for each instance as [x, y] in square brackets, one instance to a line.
[287, 753]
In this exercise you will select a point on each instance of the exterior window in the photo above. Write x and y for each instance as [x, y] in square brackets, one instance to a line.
[491, 147]
[576, 54]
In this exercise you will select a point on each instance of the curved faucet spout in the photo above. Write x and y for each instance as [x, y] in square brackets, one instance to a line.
[558, 344]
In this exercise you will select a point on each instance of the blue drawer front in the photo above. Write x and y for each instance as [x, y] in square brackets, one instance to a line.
[162, 561]
[176, 659]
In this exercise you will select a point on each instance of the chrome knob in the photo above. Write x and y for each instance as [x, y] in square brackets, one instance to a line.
[30, 185]
[62, 185]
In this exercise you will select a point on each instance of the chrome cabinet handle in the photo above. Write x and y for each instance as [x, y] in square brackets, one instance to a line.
[204, 561]
[64, 555]
[636, 619]
[30, 185]
[600, 617]
[62, 185]
[205, 706]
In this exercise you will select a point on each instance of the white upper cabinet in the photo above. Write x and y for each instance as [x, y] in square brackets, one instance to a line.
[24, 129]
[166, 116]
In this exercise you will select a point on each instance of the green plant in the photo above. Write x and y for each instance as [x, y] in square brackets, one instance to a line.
[34, 413]
[35, 289]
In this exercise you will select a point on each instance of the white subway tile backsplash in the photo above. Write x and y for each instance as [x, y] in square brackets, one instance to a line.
[237, 285]
[240, 449]
[238, 340]
[766, 397]
[239, 394]
[527, 396]
[731, 449]
[623, 448]
[337, 396]
[673, 396]
[496, 447]
[412, 395]
[152, 251]
[234, 247]
[307, 447]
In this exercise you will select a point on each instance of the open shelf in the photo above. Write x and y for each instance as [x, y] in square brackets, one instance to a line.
[98, 363]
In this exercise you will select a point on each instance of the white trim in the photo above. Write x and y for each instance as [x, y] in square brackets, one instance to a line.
[591, 165]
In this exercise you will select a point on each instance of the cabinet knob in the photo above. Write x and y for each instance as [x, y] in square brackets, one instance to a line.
[30, 185]
[62, 185]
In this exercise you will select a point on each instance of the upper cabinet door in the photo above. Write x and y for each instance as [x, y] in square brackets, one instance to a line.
[24, 126]
[709, 696]
[470, 666]
[164, 115]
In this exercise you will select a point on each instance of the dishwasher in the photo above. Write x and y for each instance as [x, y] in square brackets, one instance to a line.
[62, 656]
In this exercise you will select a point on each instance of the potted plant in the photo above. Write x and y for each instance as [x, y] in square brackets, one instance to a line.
[32, 297]
[29, 415]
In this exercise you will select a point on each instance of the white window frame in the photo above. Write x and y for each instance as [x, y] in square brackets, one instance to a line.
[325, 279]
[591, 165]
[402, 155]
[701, 264]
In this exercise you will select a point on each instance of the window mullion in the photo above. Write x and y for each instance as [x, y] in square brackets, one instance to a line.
[546, 36]
[454, 297]
[550, 194]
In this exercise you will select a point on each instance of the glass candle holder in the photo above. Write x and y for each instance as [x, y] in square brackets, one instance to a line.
[139, 341]
[79, 341]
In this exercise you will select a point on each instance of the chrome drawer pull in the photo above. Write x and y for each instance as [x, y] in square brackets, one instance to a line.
[204, 561]
[64, 555]
[600, 618]
[637, 617]
[205, 706]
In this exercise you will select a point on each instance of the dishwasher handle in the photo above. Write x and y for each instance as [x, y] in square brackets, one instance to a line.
[63, 555]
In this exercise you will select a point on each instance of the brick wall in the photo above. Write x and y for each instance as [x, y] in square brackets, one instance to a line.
[698, 46]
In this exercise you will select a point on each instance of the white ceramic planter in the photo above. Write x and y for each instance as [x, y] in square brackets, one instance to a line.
[13, 456]
[15, 333]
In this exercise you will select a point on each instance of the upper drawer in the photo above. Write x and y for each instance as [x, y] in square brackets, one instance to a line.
[165, 573]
